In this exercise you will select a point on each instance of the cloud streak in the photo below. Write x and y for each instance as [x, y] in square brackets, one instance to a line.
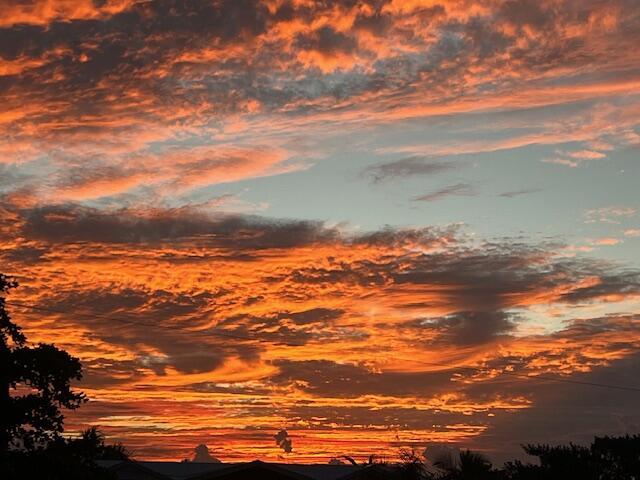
[456, 190]
[210, 81]
[410, 167]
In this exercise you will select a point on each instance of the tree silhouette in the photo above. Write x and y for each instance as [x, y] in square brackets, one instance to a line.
[471, 466]
[617, 456]
[65, 459]
[475, 466]
[608, 458]
[412, 466]
[91, 446]
[35, 384]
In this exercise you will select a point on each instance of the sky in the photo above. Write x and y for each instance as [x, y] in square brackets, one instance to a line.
[376, 224]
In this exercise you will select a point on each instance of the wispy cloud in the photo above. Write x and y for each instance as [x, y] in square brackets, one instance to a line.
[517, 193]
[456, 190]
[407, 168]
[606, 241]
[575, 158]
[611, 214]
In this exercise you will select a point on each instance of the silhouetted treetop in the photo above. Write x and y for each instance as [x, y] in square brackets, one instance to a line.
[35, 384]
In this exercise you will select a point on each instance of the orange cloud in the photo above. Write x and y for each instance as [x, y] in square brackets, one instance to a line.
[175, 171]
[606, 241]
[42, 12]
[196, 325]
[356, 332]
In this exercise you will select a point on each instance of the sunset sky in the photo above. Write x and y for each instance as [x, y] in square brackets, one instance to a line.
[367, 222]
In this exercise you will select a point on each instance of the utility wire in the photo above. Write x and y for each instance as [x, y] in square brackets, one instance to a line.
[218, 333]
[528, 377]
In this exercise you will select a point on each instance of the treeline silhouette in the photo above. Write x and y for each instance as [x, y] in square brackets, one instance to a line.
[35, 385]
[64, 459]
[607, 458]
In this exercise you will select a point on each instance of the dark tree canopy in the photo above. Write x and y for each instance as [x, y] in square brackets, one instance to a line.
[470, 466]
[65, 459]
[35, 384]
[607, 458]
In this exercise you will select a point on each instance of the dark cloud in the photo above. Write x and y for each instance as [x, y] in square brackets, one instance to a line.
[377, 23]
[283, 440]
[106, 372]
[557, 414]
[170, 322]
[407, 168]
[517, 193]
[74, 223]
[622, 283]
[292, 328]
[577, 350]
[151, 22]
[528, 12]
[326, 378]
[327, 41]
[483, 283]
[405, 237]
[314, 315]
[363, 274]
[483, 39]
[457, 190]
[400, 419]
[468, 328]
[24, 255]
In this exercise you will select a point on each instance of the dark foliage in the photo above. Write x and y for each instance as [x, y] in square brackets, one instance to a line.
[411, 466]
[68, 459]
[608, 458]
[35, 384]
[471, 466]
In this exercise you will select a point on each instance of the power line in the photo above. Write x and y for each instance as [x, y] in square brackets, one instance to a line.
[527, 377]
[218, 333]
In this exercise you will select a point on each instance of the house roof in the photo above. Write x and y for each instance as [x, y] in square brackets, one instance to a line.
[130, 469]
[373, 471]
[184, 470]
[322, 471]
[205, 471]
[254, 466]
